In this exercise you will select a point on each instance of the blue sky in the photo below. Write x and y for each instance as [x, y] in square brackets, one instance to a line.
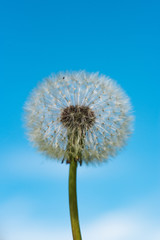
[119, 39]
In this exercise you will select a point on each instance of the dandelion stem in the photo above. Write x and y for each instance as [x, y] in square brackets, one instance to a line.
[73, 201]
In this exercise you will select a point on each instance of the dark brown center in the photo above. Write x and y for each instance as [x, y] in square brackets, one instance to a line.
[77, 117]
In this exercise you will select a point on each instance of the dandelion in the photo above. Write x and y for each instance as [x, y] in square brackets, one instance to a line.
[78, 117]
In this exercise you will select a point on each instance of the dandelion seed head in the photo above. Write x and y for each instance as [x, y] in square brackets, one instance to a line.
[82, 115]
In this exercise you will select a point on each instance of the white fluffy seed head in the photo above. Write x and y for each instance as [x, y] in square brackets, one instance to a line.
[82, 115]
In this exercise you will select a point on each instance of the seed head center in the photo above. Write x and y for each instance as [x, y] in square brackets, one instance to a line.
[78, 117]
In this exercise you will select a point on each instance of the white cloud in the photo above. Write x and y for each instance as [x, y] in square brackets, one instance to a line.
[30, 164]
[27, 163]
[16, 223]
[122, 225]
[30, 231]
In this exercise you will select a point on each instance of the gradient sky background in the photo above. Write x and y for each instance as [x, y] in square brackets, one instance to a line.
[118, 200]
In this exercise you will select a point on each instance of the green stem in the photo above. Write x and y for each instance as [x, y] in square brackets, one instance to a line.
[73, 201]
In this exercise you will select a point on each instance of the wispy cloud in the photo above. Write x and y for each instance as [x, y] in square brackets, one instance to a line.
[123, 225]
[18, 223]
[27, 163]
[135, 222]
